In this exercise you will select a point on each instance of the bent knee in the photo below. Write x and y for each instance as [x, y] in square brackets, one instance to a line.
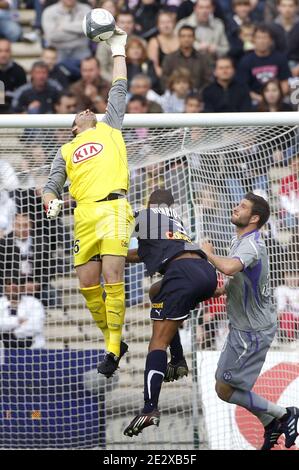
[223, 391]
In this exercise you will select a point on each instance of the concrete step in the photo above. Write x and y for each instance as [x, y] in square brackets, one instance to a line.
[54, 333]
[25, 62]
[26, 49]
[26, 17]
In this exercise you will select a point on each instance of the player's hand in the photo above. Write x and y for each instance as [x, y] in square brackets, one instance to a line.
[208, 248]
[219, 292]
[53, 208]
[117, 42]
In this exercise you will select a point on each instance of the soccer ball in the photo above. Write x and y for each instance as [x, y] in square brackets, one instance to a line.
[98, 24]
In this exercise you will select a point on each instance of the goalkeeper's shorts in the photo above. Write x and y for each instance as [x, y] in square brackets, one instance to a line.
[102, 228]
[187, 282]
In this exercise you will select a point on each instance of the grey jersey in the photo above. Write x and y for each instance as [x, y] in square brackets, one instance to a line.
[114, 117]
[248, 294]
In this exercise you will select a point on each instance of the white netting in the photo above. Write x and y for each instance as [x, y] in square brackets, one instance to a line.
[53, 397]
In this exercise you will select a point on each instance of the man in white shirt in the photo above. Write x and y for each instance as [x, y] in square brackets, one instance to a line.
[21, 317]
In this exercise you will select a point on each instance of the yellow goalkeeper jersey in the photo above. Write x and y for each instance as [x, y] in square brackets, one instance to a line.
[96, 163]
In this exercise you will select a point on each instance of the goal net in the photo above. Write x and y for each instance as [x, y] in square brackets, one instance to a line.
[51, 395]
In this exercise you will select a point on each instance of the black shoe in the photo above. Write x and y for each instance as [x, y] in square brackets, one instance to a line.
[176, 371]
[272, 432]
[110, 363]
[290, 426]
[142, 421]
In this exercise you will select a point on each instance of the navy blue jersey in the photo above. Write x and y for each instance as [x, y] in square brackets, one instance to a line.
[161, 237]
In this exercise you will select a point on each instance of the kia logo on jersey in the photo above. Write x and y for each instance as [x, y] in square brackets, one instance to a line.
[86, 151]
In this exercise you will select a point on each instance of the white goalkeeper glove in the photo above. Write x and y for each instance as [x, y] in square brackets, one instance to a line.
[117, 42]
[53, 208]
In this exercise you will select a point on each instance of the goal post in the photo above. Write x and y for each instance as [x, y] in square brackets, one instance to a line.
[51, 395]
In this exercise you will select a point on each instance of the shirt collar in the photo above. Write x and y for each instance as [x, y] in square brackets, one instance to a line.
[249, 233]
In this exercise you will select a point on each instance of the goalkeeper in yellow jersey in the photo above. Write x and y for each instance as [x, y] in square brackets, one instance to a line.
[95, 162]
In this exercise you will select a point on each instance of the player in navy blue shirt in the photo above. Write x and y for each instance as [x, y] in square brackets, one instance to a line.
[165, 247]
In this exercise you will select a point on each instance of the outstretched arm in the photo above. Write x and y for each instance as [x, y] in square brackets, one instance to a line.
[117, 96]
[226, 265]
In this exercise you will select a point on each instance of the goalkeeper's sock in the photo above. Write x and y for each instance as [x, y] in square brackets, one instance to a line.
[96, 305]
[155, 368]
[176, 349]
[115, 308]
[263, 409]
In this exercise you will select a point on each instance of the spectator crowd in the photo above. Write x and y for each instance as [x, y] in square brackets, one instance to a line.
[223, 52]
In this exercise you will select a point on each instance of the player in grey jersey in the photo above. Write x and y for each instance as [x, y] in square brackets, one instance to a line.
[252, 322]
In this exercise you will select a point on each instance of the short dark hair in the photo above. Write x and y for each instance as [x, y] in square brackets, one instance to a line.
[194, 96]
[88, 59]
[61, 95]
[263, 28]
[227, 58]
[39, 65]
[187, 26]
[49, 48]
[160, 197]
[260, 207]
[142, 100]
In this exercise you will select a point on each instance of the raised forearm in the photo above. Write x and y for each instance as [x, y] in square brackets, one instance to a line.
[226, 265]
[119, 67]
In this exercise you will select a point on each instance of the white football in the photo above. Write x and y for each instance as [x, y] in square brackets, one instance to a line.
[98, 24]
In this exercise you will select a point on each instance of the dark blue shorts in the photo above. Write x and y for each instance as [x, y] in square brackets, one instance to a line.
[187, 282]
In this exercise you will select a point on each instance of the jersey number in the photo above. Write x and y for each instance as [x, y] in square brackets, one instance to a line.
[76, 246]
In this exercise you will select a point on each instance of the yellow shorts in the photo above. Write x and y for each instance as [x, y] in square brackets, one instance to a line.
[102, 228]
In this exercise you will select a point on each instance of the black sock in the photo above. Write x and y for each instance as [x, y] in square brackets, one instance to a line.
[176, 349]
[155, 368]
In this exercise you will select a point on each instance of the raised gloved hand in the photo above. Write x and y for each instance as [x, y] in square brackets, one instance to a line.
[117, 42]
[53, 208]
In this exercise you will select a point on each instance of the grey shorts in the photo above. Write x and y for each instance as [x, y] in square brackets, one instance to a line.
[243, 356]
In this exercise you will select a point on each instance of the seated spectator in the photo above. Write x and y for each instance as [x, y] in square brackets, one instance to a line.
[109, 5]
[37, 96]
[26, 253]
[57, 72]
[141, 85]
[8, 182]
[209, 31]
[62, 26]
[289, 195]
[138, 62]
[246, 35]
[137, 104]
[287, 300]
[66, 103]
[9, 27]
[272, 98]
[187, 6]
[179, 86]
[258, 67]
[91, 90]
[239, 17]
[125, 20]
[12, 75]
[187, 57]
[193, 103]
[145, 17]
[21, 316]
[286, 30]
[226, 95]
[165, 42]
[7, 213]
